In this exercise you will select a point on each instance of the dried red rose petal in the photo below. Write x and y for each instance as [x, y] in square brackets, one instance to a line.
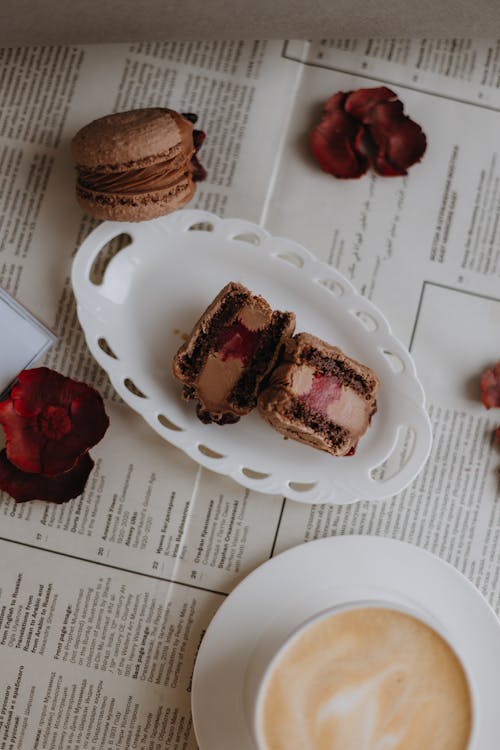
[490, 386]
[398, 142]
[60, 488]
[50, 421]
[359, 103]
[334, 141]
[367, 126]
[199, 172]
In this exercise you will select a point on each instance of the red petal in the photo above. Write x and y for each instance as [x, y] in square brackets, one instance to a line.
[333, 141]
[22, 439]
[337, 155]
[56, 489]
[363, 126]
[359, 103]
[199, 171]
[385, 115]
[198, 138]
[383, 167]
[490, 386]
[406, 144]
[35, 388]
[399, 141]
[335, 103]
[31, 428]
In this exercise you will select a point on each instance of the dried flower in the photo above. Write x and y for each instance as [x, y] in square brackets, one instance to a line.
[363, 127]
[50, 421]
[60, 488]
[335, 141]
[490, 386]
[361, 102]
[397, 142]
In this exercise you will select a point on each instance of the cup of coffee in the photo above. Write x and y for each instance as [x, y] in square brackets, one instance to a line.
[366, 676]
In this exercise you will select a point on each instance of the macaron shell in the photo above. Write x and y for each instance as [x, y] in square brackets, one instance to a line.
[134, 138]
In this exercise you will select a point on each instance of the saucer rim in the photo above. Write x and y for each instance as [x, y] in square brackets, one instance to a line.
[222, 713]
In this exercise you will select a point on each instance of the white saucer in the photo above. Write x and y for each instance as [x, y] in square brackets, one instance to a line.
[154, 290]
[283, 592]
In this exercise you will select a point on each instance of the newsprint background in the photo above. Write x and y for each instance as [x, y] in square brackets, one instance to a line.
[104, 600]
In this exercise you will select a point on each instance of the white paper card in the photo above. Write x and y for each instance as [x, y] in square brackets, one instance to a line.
[23, 339]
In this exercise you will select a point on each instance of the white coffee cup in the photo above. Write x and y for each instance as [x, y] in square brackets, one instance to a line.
[363, 673]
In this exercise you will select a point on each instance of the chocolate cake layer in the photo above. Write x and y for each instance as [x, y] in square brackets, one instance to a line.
[230, 351]
[320, 396]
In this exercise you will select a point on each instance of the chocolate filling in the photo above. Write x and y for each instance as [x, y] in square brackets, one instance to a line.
[245, 390]
[264, 344]
[143, 180]
[134, 199]
[156, 176]
[207, 417]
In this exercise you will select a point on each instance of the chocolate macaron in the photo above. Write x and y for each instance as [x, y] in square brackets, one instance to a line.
[138, 164]
[230, 351]
[319, 396]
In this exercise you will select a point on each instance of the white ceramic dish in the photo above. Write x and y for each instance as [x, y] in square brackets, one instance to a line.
[156, 288]
[287, 590]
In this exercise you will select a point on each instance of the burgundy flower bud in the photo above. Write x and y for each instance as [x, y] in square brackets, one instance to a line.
[50, 421]
[490, 387]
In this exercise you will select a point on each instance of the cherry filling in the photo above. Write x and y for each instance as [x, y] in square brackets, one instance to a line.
[323, 391]
[236, 341]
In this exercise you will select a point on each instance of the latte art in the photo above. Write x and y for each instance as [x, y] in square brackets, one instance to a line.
[366, 679]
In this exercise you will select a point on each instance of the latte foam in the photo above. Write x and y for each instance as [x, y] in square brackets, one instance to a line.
[368, 678]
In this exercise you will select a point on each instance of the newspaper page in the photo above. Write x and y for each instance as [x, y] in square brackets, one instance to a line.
[426, 250]
[104, 600]
[48, 94]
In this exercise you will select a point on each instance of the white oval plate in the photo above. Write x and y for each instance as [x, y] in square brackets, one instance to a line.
[155, 289]
[290, 588]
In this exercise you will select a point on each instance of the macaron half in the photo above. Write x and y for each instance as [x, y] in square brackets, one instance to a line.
[137, 165]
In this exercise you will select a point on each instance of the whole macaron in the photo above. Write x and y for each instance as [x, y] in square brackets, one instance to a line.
[137, 165]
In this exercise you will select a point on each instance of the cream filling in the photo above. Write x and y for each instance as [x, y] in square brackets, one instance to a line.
[254, 318]
[217, 379]
[218, 376]
[302, 380]
[349, 409]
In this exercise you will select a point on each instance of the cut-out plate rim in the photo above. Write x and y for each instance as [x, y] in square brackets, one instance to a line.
[93, 307]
